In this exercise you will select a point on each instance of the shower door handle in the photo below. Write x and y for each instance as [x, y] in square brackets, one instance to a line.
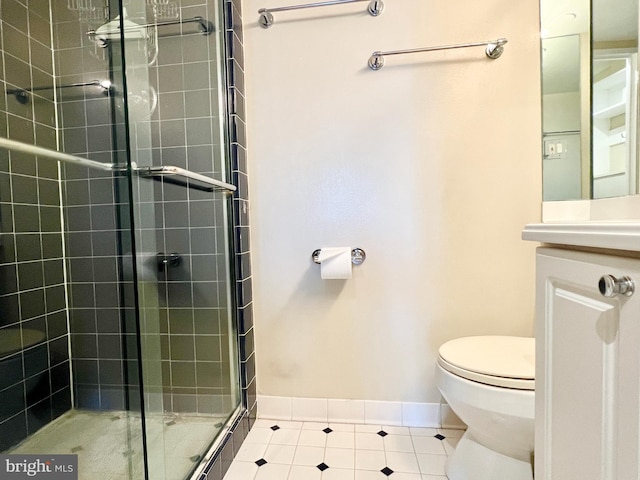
[611, 286]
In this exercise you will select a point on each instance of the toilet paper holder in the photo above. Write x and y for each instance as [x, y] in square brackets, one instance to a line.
[358, 256]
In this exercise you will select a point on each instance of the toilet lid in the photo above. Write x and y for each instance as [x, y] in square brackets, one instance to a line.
[495, 360]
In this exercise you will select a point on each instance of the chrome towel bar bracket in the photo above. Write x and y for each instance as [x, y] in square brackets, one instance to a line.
[266, 18]
[494, 50]
[358, 256]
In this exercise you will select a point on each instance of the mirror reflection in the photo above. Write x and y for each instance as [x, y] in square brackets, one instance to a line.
[589, 91]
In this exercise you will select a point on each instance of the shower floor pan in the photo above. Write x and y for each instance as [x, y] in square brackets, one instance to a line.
[109, 445]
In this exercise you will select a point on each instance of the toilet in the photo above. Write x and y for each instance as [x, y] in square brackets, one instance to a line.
[488, 381]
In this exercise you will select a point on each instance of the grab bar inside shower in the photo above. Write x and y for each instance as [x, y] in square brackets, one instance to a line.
[266, 18]
[494, 50]
[202, 182]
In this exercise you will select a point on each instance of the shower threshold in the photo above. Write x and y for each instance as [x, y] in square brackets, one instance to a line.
[109, 443]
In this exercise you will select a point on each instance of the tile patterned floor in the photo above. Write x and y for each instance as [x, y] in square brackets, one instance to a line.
[279, 450]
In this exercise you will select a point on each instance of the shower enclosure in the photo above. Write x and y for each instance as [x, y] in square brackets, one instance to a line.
[117, 328]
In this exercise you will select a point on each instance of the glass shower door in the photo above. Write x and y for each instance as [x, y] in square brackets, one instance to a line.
[123, 269]
[69, 379]
[181, 205]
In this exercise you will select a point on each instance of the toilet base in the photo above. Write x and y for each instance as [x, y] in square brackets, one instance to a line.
[473, 461]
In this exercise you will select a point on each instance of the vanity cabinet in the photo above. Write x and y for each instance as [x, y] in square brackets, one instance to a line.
[587, 368]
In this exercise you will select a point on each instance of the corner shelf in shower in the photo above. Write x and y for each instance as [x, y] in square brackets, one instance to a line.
[170, 173]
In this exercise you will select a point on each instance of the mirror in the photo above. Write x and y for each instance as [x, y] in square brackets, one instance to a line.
[589, 98]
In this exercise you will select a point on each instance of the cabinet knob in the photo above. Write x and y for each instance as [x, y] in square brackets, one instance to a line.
[611, 286]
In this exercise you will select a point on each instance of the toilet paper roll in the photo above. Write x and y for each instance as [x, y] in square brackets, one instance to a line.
[335, 263]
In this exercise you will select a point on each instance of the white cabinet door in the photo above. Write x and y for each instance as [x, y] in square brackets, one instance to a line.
[587, 369]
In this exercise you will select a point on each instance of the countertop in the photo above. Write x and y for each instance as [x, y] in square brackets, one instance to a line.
[605, 235]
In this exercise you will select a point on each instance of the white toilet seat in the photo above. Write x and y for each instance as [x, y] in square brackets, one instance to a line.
[501, 361]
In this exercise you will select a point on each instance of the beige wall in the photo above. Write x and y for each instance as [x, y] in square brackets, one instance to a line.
[431, 165]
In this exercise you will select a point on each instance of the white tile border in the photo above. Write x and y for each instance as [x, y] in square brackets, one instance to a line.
[309, 409]
[382, 413]
[278, 408]
[420, 414]
[345, 411]
[371, 412]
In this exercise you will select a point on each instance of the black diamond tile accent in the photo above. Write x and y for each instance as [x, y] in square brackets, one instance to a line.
[261, 462]
[387, 471]
[327, 430]
[322, 467]
[382, 433]
[440, 437]
[275, 427]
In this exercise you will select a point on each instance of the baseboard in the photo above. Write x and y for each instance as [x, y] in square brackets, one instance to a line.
[371, 412]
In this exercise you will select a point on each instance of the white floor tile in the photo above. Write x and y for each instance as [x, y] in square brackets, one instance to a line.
[241, 471]
[303, 472]
[369, 441]
[368, 428]
[342, 427]
[264, 423]
[423, 432]
[340, 457]
[313, 438]
[272, 471]
[341, 440]
[402, 462]
[311, 456]
[280, 454]
[370, 460]
[338, 474]
[407, 476]
[370, 475]
[396, 430]
[429, 445]
[285, 436]
[250, 452]
[289, 424]
[259, 435]
[431, 464]
[314, 426]
[352, 452]
[398, 443]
